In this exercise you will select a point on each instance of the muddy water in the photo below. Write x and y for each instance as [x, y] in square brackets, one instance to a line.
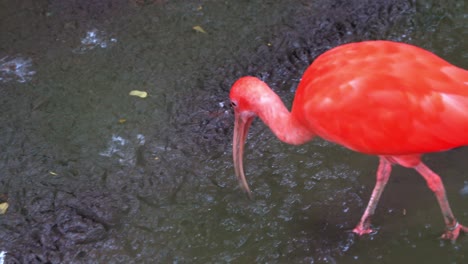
[94, 175]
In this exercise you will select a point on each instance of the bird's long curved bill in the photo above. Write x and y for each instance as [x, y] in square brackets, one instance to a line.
[241, 127]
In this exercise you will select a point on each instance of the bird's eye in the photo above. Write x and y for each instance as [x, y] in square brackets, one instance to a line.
[233, 104]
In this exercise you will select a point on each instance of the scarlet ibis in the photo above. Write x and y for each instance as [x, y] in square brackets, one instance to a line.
[384, 98]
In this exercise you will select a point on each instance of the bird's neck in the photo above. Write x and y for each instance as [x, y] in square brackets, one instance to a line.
[284, 125]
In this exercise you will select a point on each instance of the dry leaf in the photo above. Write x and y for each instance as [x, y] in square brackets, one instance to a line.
[3, 207]
[141, 94]
[53, 173]
[122, 120]
[199, 29]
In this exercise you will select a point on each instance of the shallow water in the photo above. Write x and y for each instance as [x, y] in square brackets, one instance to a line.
[94, 175]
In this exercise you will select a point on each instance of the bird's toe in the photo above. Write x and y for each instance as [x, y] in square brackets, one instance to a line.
[453, 232]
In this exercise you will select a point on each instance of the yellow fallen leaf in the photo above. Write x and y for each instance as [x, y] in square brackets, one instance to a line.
[3, 207]
[199, 8]
[199, 29]
[53, 173]
[141, 94]
[122, 120]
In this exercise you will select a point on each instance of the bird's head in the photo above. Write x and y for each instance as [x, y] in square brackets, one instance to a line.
[245, 95]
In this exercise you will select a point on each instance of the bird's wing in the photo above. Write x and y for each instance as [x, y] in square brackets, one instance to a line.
[406, 111]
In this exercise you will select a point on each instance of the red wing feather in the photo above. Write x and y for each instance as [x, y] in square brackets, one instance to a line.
[380, 99]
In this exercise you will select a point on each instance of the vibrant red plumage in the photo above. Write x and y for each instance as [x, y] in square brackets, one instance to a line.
[385, 98]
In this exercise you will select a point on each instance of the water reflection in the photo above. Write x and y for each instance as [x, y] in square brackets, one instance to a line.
[94, 38]
[464, 190]
[16, 68]
[125, 150]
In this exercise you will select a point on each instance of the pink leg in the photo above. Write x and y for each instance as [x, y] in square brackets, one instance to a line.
[434, 182]
[383, 173]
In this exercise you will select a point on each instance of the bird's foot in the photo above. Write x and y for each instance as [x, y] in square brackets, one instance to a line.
[361, 229]
[453, 232]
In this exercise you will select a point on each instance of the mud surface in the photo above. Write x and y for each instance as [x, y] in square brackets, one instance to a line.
[94, 175]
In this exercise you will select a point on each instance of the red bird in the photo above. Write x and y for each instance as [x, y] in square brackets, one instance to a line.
[389, 99]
